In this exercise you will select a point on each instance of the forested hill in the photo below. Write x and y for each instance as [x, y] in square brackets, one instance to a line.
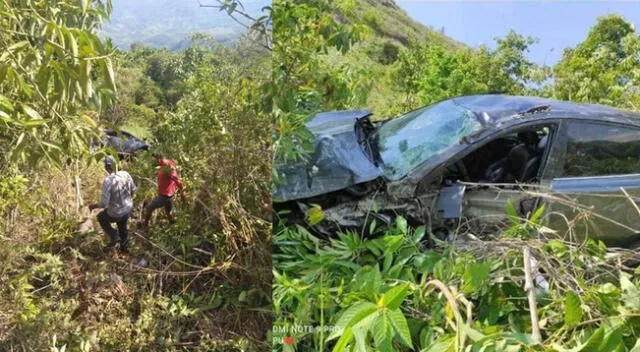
[378, 36]
[169, 23]
[392, 23]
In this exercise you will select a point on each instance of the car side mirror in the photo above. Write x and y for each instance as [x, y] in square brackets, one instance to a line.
[449, 204]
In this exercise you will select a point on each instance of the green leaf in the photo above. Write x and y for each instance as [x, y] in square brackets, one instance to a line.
[374, 282]
[441, 346]
[111, 74]
[361, 328]
[594, 341]
[42, 79]
[5, 104]
[401, 225]
[512, 348]
[343, 341]
[572, 309]
[512, 213]
[476, 276]
[612, 341]
[393, 243]
[33, 123]
[556, 247]
[425, 262]
[395, 271]
[88, 83]
[388, 261]
[591, 345]
[360, 335]
[630, 293]
[31, 112]
[314, 215]
[73, 43]
[243, 296]
[372, 226]
[352, 316]
[5, 117]
[394, 296]
[418, 234]
[473, 334]
[525, 339]
[20, 139]
[17, 46]
[537, 215]
[382, 333]
[400, 326]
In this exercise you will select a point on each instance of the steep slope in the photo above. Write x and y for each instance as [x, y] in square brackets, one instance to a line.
[392, 31]
[391, 22]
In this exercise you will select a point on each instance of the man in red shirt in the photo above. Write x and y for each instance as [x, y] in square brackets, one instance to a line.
[168, 180]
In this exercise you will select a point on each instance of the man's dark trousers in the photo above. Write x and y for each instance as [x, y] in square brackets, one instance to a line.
[106, 220]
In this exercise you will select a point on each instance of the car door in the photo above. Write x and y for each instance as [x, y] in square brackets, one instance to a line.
[596, 182]
[485, 205]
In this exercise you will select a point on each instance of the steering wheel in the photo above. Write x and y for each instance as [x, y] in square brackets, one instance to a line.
[495, 172]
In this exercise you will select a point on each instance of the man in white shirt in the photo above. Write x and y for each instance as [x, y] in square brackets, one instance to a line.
[118, 191]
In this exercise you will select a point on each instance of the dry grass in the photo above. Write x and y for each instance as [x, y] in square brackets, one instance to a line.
[106, 294]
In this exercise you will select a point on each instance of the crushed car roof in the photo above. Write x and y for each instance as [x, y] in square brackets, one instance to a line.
[497, 107]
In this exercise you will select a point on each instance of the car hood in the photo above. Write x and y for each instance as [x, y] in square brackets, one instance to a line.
[337, 160]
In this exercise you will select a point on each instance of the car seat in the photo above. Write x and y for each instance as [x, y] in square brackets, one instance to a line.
[523, 160]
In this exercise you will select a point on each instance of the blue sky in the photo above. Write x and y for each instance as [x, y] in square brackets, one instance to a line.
[557, 24]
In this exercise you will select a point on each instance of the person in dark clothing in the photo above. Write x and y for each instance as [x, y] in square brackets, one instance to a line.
[118, 191]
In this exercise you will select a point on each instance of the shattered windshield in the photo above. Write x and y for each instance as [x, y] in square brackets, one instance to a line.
[411, 139]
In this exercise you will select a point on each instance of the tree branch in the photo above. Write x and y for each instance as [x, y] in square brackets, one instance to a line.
[257, 25]
[528, 286]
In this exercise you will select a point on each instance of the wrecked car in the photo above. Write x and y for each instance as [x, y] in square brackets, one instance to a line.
[124, 143]
[457, 164]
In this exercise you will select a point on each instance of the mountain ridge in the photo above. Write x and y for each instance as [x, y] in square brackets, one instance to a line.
[389, 21]
[170, 24]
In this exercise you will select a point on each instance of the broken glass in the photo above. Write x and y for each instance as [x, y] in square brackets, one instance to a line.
[411, 139]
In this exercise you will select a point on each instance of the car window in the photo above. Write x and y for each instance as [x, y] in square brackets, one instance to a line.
[409, 140]
[599, 150]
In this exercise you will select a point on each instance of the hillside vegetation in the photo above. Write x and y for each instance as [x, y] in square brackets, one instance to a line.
[200, 284]
[391, 23]
[390, 292]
